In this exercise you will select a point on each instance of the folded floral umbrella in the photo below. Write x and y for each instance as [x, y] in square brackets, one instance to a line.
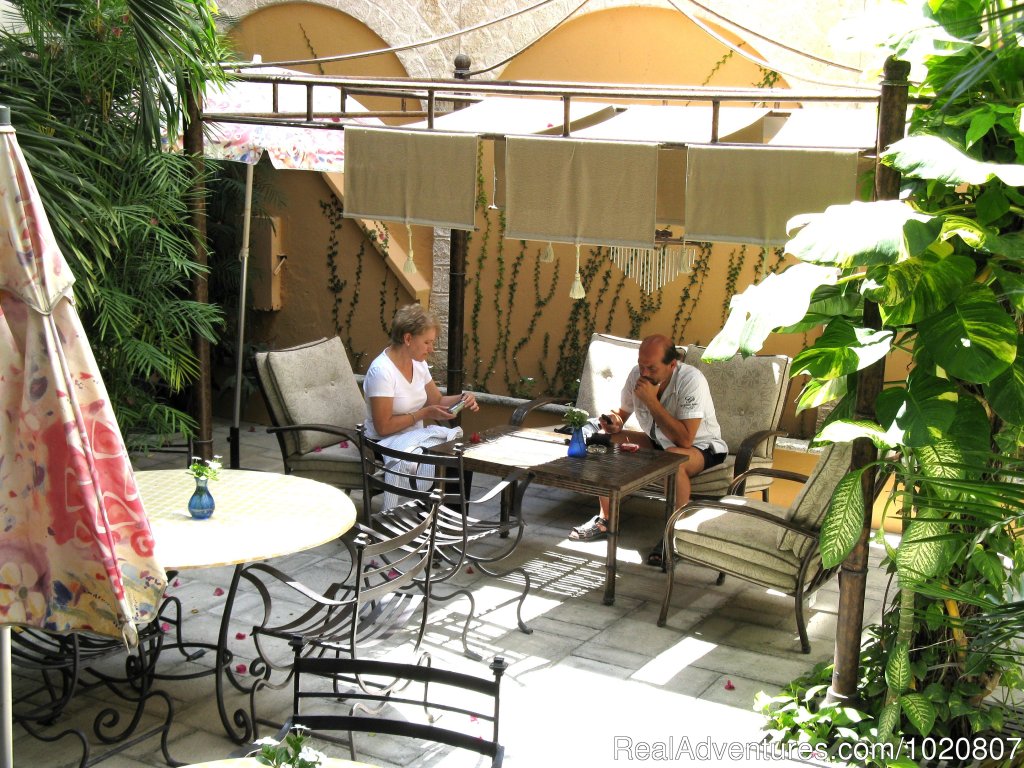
[76, 550]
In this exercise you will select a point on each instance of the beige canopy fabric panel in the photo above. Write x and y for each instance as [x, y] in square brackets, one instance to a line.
[671, 208]
[567, 191]
[411, 176]
[748, 194]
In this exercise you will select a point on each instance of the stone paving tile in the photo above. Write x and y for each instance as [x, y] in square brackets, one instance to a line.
[585, 662]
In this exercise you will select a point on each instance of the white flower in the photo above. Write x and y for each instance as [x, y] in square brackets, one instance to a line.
[311, 755]
[268, 741]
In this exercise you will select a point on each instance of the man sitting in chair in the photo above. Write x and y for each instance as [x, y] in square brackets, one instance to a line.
[673, 404]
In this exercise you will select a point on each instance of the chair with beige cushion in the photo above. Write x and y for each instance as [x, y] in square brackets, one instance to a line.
[315, 403]
[749, 395]
[766, 544]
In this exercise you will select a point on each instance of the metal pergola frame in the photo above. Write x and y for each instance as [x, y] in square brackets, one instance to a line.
[891, 99]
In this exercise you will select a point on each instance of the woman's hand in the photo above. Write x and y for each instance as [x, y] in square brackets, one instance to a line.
[436, 412]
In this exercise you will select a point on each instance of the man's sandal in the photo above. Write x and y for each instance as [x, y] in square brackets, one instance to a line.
[594, 529]
[656, 558]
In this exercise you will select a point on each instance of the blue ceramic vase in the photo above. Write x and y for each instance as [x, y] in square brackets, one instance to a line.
[577, 444]
[201, 504]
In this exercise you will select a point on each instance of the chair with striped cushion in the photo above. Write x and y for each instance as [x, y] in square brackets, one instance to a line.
[766, 544]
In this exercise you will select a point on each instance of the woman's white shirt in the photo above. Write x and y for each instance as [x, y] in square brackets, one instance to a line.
[383, 379]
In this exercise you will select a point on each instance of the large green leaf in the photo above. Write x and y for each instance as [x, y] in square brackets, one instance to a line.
[843, 521]
[920, 286]
[990, 567]
[1010, 439]
[942, 459]
[1005, 392]
[842, 349]
[897, 668]
[889, 718]
[974, 339]
[847, 430]
[922, 550]
[929, 157]
[827, 302]
[919, 711]
[1010, 287]
[970, 430]
[779, 300]
[817, 392]
[861, 234]
[923, 410]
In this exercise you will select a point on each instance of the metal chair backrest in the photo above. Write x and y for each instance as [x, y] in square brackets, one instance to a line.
[443, 690]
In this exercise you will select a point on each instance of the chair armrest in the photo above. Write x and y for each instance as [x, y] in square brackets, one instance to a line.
[739, 482]
[347, 433]
[328, 599]
[740, 510]
[520, 413]
[516, 475]
[746, 450]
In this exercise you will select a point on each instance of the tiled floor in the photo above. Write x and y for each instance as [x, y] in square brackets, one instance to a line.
[590, 687]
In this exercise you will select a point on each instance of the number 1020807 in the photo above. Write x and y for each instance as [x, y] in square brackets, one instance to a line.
[962, 748]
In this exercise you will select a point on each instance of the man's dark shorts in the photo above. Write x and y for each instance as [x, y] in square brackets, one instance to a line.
[711, 459]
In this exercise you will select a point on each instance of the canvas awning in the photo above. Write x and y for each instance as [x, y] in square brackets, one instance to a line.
[505, 116]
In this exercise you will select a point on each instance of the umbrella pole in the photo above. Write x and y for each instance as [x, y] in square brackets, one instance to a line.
[243, 256]
[6, 701]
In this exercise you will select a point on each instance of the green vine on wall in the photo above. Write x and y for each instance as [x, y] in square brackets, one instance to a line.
[736, 260]
[689, 297]
[718, 65]
[769, 78]
[312, 51]
[334, 211]
[522, 386]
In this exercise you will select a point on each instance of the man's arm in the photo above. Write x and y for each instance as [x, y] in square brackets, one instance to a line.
[680, 431]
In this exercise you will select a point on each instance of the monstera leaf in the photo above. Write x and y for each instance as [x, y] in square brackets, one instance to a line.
[779, 300]
[842, 349]
[929, 157]
[862, 234]
[918, 287]
[974, 339]
[924, 410]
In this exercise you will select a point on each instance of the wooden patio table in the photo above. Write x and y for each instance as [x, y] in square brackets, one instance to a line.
[614, 473]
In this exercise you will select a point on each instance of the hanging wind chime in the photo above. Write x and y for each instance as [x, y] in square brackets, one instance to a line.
[654, 268]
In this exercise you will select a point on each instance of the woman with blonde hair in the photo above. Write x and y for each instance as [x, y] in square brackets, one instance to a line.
[401, 393]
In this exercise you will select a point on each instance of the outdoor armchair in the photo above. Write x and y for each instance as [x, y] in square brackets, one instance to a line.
[314, 403]
[749, 395]
[407, 480]
[766, 544]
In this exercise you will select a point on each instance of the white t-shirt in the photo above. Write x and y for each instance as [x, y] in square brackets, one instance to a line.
[383, 379]
[687, 396]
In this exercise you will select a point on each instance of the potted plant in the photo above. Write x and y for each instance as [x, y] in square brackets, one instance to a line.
[576, 418]
[201, 504]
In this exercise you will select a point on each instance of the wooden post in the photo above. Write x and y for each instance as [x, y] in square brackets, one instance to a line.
[202, 391]
[892, 119]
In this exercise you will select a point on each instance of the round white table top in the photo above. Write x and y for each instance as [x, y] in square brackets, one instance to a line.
[259, 515]
[250, 762]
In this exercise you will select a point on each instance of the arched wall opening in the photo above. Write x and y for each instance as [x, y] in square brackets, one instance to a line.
[653, 46]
